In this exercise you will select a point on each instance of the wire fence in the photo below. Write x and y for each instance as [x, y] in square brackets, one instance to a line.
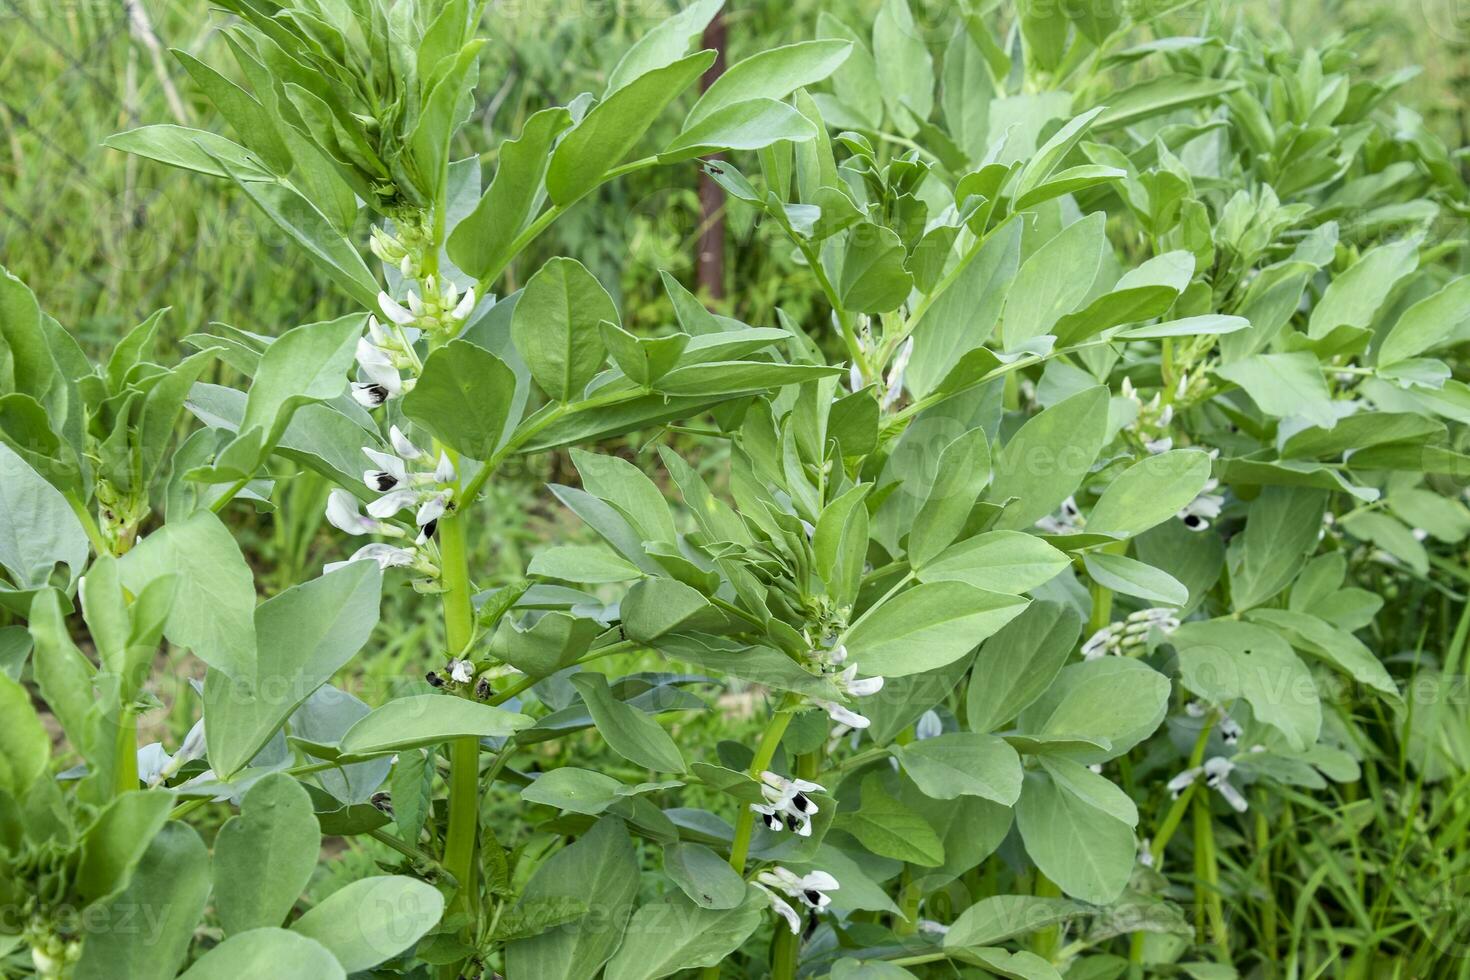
[104, 239]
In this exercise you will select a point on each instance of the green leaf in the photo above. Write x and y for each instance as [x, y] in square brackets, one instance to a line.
[605, 135]
[629, 732]
[771, 74]
[886, 827]
[1000, 917]
[116, 841]
[750, 125]
[25, 749]
[720, 378]
[643, 359]
[481, 243]
[426, 719]
[1046, 460]
[570, 788]
[1053, 281]
[1051, 154]
[963, 315]
[1156, 96]
[1113, 698]
[702, 937]
[192, 149]
[1209, 325]
[317, 237]
[308, 363]
[64, 677]
[555, 327]
[1281, 530]
[1139, 294]
[582, 563]
[872, 277]
[962, 473]
[213, 612]
[1086, 851]
[270, 952]
[464, 398]
[1131, 577]
[602, 865]
[905, 69]
[998, 561]
[1428, 323]
[928, 626]
[627, 488]
[963, 764]
[840, 545]
[168, 891]
[305, 635]
[37, 526]
[1222, 660]
[439, 116]
[1020, 662]
[1352, 299]
[705, 877]
[264, 856]
[762, 665]
[1338, 647]
[372, 919]
[1284, 385]
[657, 606]
[668, 41]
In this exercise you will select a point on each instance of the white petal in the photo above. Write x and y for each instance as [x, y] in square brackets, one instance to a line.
[466, 305]
[388, 463]
[842, 715]
[781, 878]
[342, 513]
[806, 786]
[393, 311]
[431, 509]
[819, 881]
[401, 445]
[369, 356]
[445, 471]
[1232, 796]
[370, 395]
[865, 687]
[1183, 780]
[785, 911]
[929, 725]
[385, 556]
[392, 502]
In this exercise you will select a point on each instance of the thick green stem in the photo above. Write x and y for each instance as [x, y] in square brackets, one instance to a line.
[464, 753]
[125, 776]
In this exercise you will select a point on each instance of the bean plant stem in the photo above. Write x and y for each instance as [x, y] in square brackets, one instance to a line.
[786, 949]
[745, 821]
[464, 753]
[125, 777]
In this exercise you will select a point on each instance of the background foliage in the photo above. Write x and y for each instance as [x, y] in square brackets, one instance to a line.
[73, 73]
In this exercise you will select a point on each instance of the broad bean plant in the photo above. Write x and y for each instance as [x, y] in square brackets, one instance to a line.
[1033, 559]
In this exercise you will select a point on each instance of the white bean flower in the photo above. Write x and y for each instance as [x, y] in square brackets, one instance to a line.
[1216, 770]
[788, 803]
[1203, 509]
[811, 890]
[386, 555]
